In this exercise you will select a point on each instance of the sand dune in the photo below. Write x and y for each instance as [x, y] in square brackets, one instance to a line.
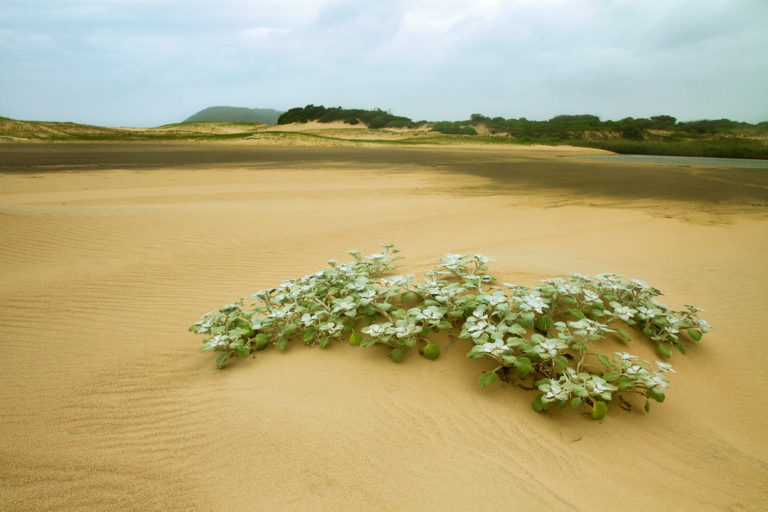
[108, 405]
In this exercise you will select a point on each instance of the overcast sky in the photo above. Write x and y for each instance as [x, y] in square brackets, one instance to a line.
[150, 62]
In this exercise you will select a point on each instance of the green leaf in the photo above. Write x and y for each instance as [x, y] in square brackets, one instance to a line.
[599, 409]
[355, 339]
[611, 376]
[260, 341]
[517, 329]
[604, 360]
[544, 322]
[508, 360]
[367, 342]
[538, 404]
[655, 393]
[561, 362]
[663, 349]
[281, 343]
[647, 405]
[624, 334]
[323, 342]
[221, 360]
[575, 402]
[568, 301]
[308, 334]
[488, 378]
[522, 367]
[525, 323]
[445, 325]
[575, 313]
[476, 352]
[408, 297]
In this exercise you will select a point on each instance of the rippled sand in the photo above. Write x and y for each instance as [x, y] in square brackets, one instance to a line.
[108, 405]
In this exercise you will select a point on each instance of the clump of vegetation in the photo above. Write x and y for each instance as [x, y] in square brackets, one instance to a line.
[376, 118]
[657, 135]
[454, 128]
[543, 335]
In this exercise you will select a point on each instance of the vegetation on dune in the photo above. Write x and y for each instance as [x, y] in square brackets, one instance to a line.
[542, 337]
[376, 118]
[657, 135]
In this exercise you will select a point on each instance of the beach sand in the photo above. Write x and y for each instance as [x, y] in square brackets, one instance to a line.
[110, 251]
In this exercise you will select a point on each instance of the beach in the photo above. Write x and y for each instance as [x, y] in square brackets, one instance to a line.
[111, 250]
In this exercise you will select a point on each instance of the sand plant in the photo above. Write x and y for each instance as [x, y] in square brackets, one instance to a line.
[545, 336]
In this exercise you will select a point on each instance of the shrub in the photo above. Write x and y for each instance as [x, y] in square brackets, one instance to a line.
[543, 334]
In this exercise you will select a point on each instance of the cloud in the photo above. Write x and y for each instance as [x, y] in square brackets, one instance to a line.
[150, 62]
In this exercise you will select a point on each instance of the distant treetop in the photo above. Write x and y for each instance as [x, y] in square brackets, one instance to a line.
[376, 118]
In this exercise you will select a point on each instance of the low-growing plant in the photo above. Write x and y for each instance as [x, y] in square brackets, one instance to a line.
[543, 336]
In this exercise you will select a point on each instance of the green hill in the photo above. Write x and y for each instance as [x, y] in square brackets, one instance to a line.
[235, 114]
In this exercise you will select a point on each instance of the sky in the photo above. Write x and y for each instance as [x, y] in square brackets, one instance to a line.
[152, 62]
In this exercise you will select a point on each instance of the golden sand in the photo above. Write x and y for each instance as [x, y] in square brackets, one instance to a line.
[108, 405]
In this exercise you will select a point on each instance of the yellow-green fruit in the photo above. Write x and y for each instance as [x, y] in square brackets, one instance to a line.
[599, 409]
[397, 355]
[431, 351]
[355, 339]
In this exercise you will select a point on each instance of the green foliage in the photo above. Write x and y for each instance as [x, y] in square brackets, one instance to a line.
[453, 128]
[543, 333]
[376, 118]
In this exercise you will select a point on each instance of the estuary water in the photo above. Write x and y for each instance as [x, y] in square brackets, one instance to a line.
[681, 160]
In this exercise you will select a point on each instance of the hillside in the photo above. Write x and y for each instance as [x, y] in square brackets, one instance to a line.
[236, 115]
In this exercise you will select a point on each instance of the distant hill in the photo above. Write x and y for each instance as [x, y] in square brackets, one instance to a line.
[235, 115]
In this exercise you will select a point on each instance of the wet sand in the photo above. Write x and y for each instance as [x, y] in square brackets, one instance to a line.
[110, 251]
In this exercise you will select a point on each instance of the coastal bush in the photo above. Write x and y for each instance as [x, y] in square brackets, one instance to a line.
[542, 337]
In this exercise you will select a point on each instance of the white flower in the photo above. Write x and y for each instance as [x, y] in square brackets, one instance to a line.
[665, 367]
[591, 296]
[433, 313]
[477, 329]
[549, 347]
[331, 327]
[533, 302]
[649, 312]
[623, 312]
[599, 386]
[376, 330]
[555, 392]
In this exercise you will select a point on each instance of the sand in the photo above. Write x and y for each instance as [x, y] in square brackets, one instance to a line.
[111, 251]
